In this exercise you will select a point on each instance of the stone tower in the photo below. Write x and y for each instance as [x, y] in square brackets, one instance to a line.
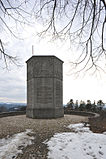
[44, 87]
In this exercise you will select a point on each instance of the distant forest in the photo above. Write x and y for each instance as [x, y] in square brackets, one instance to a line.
[86, 106]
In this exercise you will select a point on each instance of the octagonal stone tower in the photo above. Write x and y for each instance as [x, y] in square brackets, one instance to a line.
[44, 87]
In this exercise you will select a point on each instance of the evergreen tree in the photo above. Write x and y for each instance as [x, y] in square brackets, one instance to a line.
[82, 106]
[70, 104]
[100, 104]
[88, 105]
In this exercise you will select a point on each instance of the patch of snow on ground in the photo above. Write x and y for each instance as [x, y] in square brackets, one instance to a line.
[10, 147]
[79, 127]
[80, 144]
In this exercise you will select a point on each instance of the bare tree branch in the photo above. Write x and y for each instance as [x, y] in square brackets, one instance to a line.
[82, 22]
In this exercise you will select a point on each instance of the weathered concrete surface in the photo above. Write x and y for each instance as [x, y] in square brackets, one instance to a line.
[44, 87]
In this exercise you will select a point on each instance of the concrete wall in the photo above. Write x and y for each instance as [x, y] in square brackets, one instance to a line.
[82, 113]
[6, 114]
[44, 87]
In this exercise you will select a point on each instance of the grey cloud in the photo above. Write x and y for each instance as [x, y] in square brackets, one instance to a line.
[13, 86]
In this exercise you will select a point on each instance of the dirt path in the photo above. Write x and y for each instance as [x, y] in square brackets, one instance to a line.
[42, 130]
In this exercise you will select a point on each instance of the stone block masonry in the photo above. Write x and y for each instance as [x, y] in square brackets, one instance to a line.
[44, 87]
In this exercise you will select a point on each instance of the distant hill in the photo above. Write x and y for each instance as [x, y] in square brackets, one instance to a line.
[12, 106]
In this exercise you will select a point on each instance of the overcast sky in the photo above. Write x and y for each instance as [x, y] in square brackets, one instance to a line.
[13, 81]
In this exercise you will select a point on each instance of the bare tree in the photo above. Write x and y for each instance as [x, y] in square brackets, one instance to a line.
[82, 22]
[15, 12]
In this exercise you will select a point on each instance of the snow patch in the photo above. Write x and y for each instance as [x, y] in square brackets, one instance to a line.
[79, 127]
[80, 144]
[10, 147]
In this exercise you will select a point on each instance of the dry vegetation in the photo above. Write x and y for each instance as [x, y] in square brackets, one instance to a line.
[98, 125]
